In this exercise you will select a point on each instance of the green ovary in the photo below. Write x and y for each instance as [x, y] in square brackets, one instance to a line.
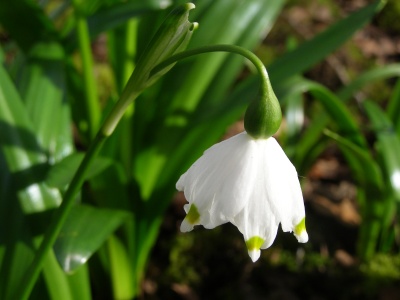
[193, 215]
[300, 227]
[254, 243]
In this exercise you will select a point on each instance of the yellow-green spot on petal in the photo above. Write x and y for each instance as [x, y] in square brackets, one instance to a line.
[193, 215]
[254, 243]
[300, 227]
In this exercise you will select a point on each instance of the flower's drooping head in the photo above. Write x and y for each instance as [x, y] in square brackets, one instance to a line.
[250, 183]
[247, 180]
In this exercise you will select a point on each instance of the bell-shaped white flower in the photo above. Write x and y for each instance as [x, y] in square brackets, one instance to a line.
[250, 183]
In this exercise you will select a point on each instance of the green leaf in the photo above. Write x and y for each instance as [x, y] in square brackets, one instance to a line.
[22, 190]
[112, 184]
[388, 144]
[392, 70]
[317, 48]
[111, 16]
[79, 283]
[43, 89]
[294, 115]
[238, 18]
[300, 59]
[83, 233]
[365, 168]
[310, 144]
[56, 280]
[393, 109]
[333, 106]
[26, 159]
[61, 174]
[258, 29]
[338, 112]
[121, 271]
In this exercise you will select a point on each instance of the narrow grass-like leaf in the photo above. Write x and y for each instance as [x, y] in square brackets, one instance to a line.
[117, 14]
[123, 282]
[393, 109]
[314, 50]
[365, 168]
[338, 112]
[294, 115]
[83, 233]
[388, 144]
[233, 64]
[333, 106]
[381, 73]
[79, 283]
[56, 280]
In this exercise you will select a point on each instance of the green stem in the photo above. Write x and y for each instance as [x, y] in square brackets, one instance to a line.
[265, 83]
[128, 65]
[91, 96]
[68, 202]
[129, 51]
[263, 115]
[58, 219]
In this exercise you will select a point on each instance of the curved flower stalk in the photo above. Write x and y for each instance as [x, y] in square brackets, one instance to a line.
[250, 183]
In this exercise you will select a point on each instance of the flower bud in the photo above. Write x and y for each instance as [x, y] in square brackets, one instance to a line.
[172, 37]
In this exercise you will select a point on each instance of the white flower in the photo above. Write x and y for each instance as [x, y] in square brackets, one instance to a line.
[250, 183]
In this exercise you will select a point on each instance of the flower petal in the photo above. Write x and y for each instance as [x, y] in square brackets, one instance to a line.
[283, 187]
[250, 183]
[257, 218]
[220, 181]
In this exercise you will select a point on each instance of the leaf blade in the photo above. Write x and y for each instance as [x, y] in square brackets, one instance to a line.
[83, 233]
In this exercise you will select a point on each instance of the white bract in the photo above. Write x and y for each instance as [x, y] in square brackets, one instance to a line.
[250, 183]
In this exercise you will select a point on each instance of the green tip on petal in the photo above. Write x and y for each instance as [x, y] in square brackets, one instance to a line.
[192, 218]
[253, 246]
[193, 215]
[300, 231]
[254, 243]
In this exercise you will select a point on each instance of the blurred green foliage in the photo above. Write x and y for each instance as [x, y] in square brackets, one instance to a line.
[64, 66]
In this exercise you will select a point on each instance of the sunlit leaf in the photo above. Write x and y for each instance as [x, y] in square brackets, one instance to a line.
[23, 192]
[83, 233]
[122, 276]
[42, 88]
[26, 159]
